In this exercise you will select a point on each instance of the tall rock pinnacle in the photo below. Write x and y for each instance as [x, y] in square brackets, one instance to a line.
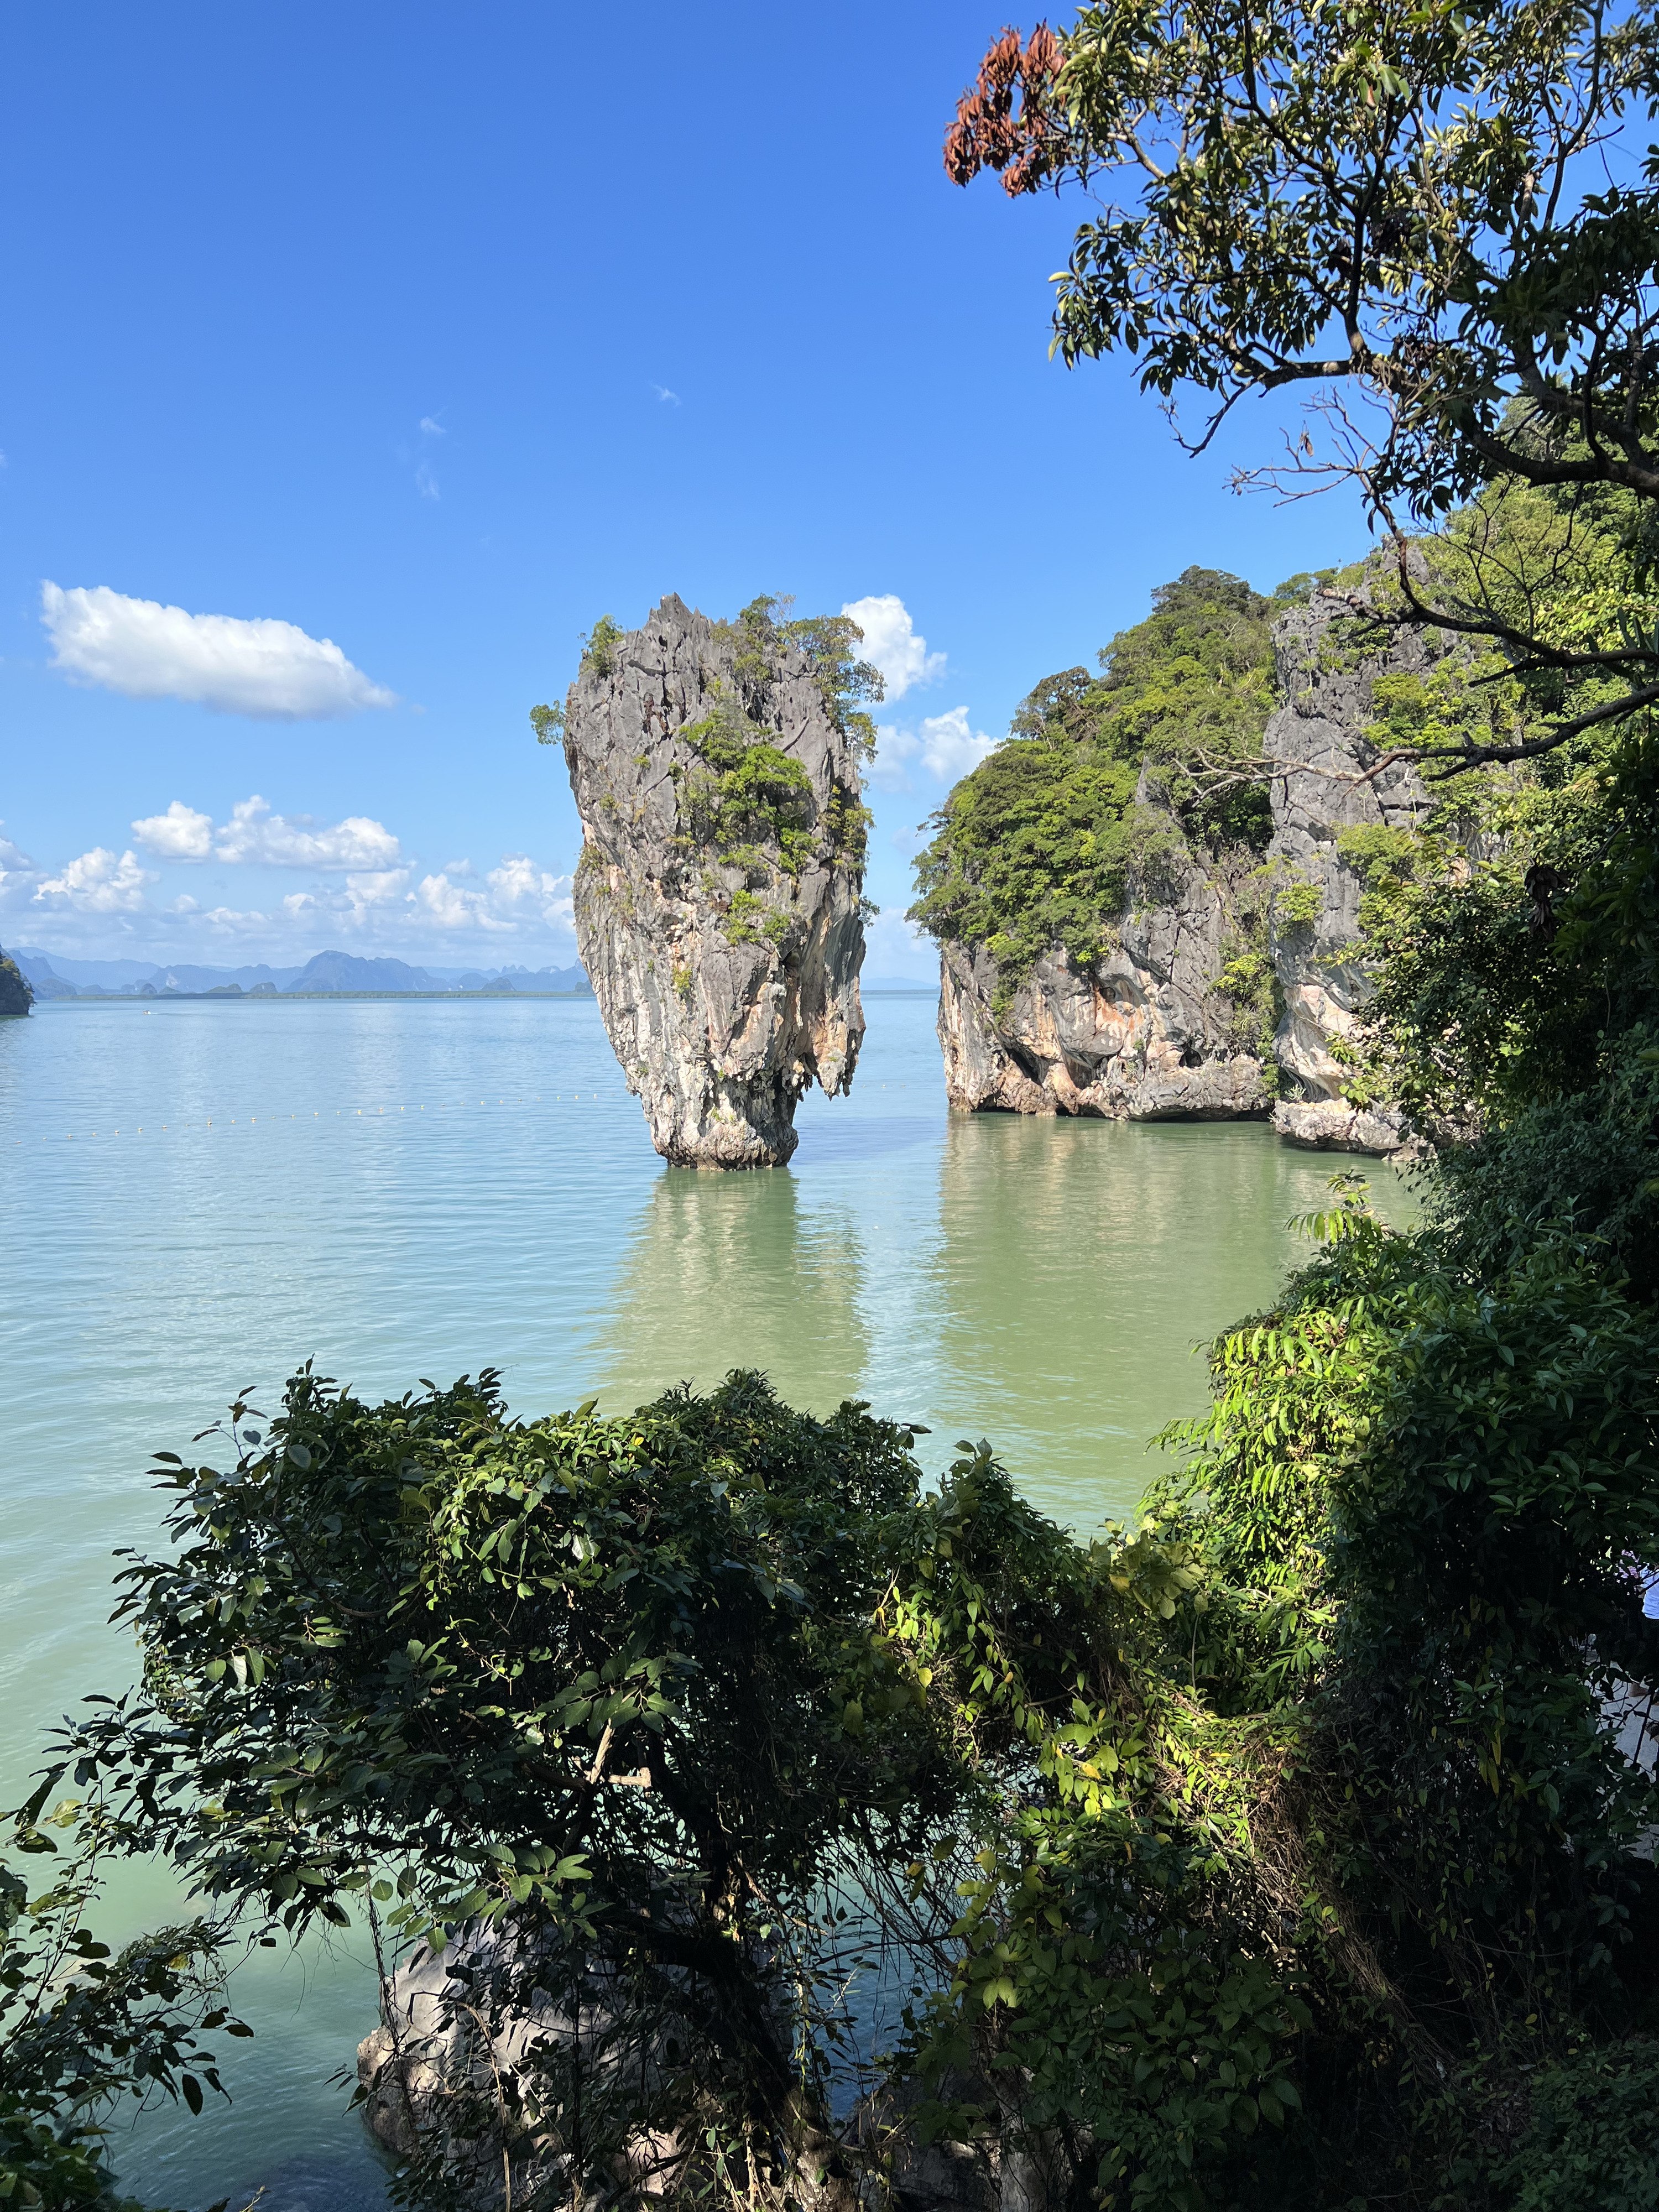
[718, 899]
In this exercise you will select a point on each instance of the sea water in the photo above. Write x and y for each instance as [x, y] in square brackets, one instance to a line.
[199, 1196]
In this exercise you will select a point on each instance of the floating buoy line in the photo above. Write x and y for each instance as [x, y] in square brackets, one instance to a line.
[219, 1122]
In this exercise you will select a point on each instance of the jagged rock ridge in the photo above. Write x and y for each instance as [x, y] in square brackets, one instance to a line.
[717, 900]
[1317, 737]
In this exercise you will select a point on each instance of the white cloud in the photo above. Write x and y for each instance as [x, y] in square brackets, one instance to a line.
[944, 745]
[18, 877]
[667, 397]
[377, 886]
[270, 670]
[890, 640]
[432, 427]
[180, 833]
[363, 894]
[98, 883]
[895, 750]
[255, 836]
[425, 482]
[518, 886]
[950, 748]
[516, 892]
[453, 907]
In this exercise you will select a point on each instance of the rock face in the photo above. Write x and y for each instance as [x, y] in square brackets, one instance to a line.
[1145, 1035]
[474, 2089]
[16, 995]
[1149, 1033]
[1317, 735]
[718, 898]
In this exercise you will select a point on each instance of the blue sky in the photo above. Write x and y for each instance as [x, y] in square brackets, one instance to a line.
[436, 332]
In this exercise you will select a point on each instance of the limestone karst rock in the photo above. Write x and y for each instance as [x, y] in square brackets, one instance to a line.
[1146, 1034]
[1151, 1030]
[718, 899]
[1327, 672]
[16, 996]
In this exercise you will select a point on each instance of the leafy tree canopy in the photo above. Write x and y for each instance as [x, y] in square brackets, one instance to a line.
[1440, 223]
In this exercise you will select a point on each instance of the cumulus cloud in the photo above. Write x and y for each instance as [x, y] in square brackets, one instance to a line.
[515, 892]
[257, 837]
[363, 893]
[268, 669]
[890, 640]
[520, 886]
[451, 906]
[948, 748]
[180, 833]
[943, 745]
[18, 877]
[98, 883]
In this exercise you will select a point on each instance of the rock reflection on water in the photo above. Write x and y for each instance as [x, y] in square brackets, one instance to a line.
[737, 1270]
[1042, 1284]
[1080, 1265]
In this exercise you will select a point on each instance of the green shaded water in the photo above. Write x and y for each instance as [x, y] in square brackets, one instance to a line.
[199, 1197]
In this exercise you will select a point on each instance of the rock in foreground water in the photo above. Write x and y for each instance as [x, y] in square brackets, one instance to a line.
[717, 900]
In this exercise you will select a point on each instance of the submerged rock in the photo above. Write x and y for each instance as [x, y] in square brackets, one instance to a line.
[1331, 1125]
[719, 897]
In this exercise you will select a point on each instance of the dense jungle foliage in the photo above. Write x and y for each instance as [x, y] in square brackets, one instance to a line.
[1093, 798]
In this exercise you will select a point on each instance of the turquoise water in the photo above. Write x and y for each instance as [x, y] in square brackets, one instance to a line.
[197, 1197]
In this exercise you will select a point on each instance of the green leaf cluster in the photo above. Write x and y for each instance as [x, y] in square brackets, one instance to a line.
[1404, 212]
[80, 2025]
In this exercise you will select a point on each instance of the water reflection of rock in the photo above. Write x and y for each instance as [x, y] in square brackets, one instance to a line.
[736, 1271]
[1080, 1263]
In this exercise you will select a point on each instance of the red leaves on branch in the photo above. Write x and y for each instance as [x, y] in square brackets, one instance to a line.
[1026, 148]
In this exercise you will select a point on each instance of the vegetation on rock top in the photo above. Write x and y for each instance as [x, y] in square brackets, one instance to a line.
[1093, 795]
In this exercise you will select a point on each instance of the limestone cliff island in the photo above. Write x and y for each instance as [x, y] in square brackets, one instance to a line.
[16, 996]
[719, 897]
[1146, 900]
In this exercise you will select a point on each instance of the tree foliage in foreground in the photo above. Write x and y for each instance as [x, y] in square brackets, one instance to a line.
[1286, 1838]
[1439, 223]
[82, 2026]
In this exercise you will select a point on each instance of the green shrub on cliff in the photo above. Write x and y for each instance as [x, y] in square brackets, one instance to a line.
[1094, 788]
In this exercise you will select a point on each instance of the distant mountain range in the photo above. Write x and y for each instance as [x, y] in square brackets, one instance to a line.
[55, 976]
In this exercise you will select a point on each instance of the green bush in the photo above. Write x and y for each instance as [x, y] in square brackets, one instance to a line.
[1592, 2145]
